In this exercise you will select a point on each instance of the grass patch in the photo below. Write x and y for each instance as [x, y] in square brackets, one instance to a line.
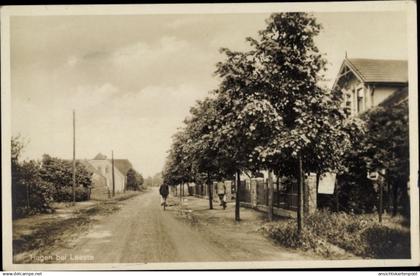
[58, 231]
[360, 235]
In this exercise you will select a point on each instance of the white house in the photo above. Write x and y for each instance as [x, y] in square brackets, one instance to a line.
[103, 169]
[369, 82]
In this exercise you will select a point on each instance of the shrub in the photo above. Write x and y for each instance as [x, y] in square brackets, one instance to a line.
[30, 194]
[65, 193]
[340, 229]
[385, 242]
[60, 173]
[361, 235]
[134, 180]
[285, 233]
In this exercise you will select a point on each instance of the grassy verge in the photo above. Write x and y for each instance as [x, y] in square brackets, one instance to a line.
[360, 235]
[55, 231]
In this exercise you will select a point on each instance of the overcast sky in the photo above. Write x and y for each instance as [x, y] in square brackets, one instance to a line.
[132, 78]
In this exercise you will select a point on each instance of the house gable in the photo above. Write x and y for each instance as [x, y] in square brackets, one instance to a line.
[367, 82]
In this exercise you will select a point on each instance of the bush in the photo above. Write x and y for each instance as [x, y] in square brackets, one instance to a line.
[65, 193]
[285, 233]
[385, 242]
[30, 194]
[60, 172]
[340, 229]
[40, 199]
[361, 235]
[134, 180]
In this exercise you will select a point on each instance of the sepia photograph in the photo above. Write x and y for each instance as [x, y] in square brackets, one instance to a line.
[209, 136]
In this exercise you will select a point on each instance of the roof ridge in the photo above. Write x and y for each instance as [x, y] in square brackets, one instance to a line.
[377, 59]
[354, 67]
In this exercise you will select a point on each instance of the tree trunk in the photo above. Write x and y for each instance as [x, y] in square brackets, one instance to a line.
[210, 191]
[300, 197]
[395, 197]
[389, 196]
[278, 191]
[318, 176]
[381, 196]
[405, 198]
[237, 200]
[270, 195]
[28, 205]
[180, 195]
[337, 199]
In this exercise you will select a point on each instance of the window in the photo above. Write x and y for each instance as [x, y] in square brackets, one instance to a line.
[360, 100]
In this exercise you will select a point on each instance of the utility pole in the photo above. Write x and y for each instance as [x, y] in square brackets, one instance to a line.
[74, 157]
[113, 175]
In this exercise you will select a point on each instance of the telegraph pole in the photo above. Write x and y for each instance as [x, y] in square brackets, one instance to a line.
[113, 175]
[74, 157]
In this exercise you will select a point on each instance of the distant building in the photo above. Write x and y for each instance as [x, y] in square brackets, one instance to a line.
[101, 169]
[369, 82]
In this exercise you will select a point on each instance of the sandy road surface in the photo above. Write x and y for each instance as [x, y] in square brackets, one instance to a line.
[141, 232]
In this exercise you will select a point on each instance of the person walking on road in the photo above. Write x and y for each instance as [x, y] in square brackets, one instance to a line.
[221, 192]
[164, 192]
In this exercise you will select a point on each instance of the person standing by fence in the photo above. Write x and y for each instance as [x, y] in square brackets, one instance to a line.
[221, 192]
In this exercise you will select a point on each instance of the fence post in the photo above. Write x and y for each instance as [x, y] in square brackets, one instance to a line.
[254, 193]
[270, 196]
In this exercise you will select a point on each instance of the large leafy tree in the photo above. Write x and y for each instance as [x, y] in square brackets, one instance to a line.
[269, 111]
[59, 172]
[247, 118]
[134, 180]
[177, 168]
[293, 121]
[30, 194]
[386, 147]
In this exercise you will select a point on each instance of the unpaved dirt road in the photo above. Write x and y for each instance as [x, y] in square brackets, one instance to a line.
[141, 232]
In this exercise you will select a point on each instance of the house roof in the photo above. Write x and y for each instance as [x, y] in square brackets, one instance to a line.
[379, 70]
[99, 156]
[397, 97]
[123, 165]
[90, 167]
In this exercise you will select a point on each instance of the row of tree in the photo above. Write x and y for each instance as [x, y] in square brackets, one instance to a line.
[270, 112]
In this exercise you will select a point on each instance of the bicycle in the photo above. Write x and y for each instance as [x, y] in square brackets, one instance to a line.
[164, 204]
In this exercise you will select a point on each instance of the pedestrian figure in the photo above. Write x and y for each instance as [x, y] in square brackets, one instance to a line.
[221, 192]
[164, 192]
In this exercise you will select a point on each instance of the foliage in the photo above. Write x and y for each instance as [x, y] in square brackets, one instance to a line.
[134, 180]
[361, 235]
[286, 234]
[386, 242]
[65, 193]
[268, 109]
[384, 146]
[30, 194]
[60, 172]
